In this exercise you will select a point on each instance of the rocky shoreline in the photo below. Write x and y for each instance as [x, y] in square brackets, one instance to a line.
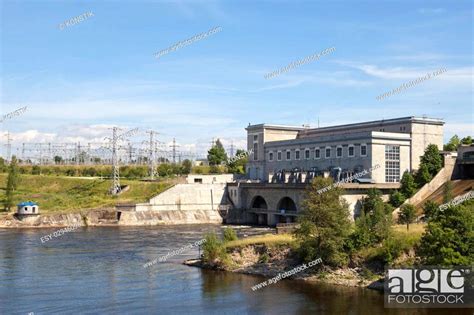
[247, 260]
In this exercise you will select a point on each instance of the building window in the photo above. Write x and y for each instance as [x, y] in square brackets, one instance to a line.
[279, 155]
[255, 138]
[288, 155]
[297, 154]
[270, 156]
[339, 152]
[363, 150]
[255, 151]
[392, 164]
[306, 154]
[328, 153]
[350, 151]
[317, 153]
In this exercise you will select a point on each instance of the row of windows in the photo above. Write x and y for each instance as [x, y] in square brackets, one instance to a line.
[392, 164]
[318, 152]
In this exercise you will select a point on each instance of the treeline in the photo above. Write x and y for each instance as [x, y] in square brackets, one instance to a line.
[126, 171]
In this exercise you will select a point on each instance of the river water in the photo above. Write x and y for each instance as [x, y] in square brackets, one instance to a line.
[100, 271]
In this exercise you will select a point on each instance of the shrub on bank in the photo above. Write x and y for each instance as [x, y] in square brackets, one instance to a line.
[229, 235]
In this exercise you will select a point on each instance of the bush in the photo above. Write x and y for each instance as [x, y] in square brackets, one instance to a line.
[214, 250]
[229, 235]
[264, 258]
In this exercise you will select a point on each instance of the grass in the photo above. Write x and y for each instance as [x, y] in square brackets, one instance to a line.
[267, 239]
[415, 230]
[68, 194]
[401, 238]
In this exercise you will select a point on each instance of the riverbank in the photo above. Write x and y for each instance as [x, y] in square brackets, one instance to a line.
[268, 258]
[110, 217]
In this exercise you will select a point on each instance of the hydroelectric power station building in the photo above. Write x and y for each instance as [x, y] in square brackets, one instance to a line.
[284, 159]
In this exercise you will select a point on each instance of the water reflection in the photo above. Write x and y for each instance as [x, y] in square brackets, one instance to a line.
[100, 270]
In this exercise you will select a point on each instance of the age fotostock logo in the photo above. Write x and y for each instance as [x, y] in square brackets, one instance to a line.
[429, 287]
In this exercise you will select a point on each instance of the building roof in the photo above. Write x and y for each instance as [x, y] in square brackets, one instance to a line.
[271, 126]
[426, 120]
[27, 203]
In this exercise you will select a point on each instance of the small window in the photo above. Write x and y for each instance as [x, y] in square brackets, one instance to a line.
[198, 180]
[328, 153]
[288, 155]
[255, 137]
[306, 154]
[34, 209]
[351, 151]
[270, 156]
[26, 208]
[317, 153]
[363, 150]
[279, 156]
[297, 154]
[339, 152]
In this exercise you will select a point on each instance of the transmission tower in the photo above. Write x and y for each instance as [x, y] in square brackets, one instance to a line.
[9, 147]
[231, 148]
[151, 153]
[116, 188]
[174, 146]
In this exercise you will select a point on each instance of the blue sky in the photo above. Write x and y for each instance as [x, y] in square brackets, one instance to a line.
[79, 81]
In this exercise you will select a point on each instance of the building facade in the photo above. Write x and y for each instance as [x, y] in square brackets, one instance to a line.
[297, 154]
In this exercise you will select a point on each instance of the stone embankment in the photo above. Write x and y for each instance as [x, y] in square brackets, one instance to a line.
[110, 217]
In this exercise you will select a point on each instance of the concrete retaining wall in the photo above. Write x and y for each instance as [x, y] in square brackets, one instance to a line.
[169, 217]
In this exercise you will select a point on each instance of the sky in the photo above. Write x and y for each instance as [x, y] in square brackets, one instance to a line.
[79, 81]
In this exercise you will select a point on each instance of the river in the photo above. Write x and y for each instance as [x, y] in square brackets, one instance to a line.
[100, 271]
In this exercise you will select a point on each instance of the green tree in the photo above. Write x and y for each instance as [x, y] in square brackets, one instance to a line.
[429, 208]
[407, 215]
[58, 159]
[449, 237]
[216, 155]
[407, 185]
[325, 224]
[378, 215]
[396, 199]
[423, 176]
[3, 165]
[432, 159]
[453, 144]
[187, 165]
[467, 140]
[12, 183]
[237, 164]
